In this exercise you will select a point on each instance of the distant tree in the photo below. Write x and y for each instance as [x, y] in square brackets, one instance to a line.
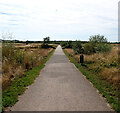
[98, 39]
[45, 42]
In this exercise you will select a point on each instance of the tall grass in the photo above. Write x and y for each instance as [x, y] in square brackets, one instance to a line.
[105, 79]
[18, 86]
[105, 65]
[15, 62]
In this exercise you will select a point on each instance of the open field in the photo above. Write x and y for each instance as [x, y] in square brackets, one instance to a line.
[30, 45]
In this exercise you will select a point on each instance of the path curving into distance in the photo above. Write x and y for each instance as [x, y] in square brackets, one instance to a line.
[60, 87]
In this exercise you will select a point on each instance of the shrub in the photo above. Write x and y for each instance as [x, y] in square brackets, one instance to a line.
[89, 48]
[77, 47]
[14, 59]
[7, 50]
[63, 44]
[67, 44]
[19, 56]
[103, 47]
[44, 45]
[98, 43]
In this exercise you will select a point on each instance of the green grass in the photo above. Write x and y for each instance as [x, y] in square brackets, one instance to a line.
[105, 88]
[18, 86]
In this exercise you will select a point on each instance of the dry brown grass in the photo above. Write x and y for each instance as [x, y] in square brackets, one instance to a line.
[77, 57]
[16, 62]
[28, 46]
[24, 45]
[103, 57]
[105, 64]
[111, 75]
[70, 51]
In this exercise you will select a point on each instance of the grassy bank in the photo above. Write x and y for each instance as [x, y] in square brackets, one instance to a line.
[105, 88]
[18, 86]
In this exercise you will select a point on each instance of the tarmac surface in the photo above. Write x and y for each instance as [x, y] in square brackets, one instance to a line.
[61, 87]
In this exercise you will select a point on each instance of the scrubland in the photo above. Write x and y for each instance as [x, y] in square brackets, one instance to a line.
[106, 65]
[102, 70]
[19, 58]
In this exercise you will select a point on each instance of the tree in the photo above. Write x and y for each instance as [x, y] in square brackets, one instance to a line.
[98, 39]
[45, 42]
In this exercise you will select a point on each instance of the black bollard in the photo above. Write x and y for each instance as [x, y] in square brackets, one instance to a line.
[81, 59]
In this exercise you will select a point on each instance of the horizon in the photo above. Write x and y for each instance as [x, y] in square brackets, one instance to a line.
[53, 40]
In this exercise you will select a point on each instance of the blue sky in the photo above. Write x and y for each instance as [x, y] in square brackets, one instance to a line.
[59, 19]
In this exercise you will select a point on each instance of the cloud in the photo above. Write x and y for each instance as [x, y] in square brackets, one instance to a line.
[60, 19]
[2, 13]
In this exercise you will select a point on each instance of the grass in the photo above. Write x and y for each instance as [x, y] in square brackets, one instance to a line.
[105, 88]
[104, 64]
[18, 86]
[16, 61]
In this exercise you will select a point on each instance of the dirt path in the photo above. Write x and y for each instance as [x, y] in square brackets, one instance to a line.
[60, 87]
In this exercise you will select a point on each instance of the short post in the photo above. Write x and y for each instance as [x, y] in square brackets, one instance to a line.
[81, 59]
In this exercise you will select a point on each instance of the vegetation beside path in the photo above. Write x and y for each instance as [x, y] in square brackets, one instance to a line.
[20, 83]
[106, 89]
[98, 60]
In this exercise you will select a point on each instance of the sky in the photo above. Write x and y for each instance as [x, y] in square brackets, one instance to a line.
[59, 19]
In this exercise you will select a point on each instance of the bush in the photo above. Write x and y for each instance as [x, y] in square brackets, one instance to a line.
[98, 43]
[44, 46]
[15, 62]
[67, 44]
[89, 48]
[8, 50]
[77, 47]
[102, 47]
[63, 44]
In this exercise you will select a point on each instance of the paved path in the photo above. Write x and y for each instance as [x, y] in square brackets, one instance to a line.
[60, 87]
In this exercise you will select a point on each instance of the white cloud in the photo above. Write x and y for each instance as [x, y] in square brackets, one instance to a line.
[61, 19]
